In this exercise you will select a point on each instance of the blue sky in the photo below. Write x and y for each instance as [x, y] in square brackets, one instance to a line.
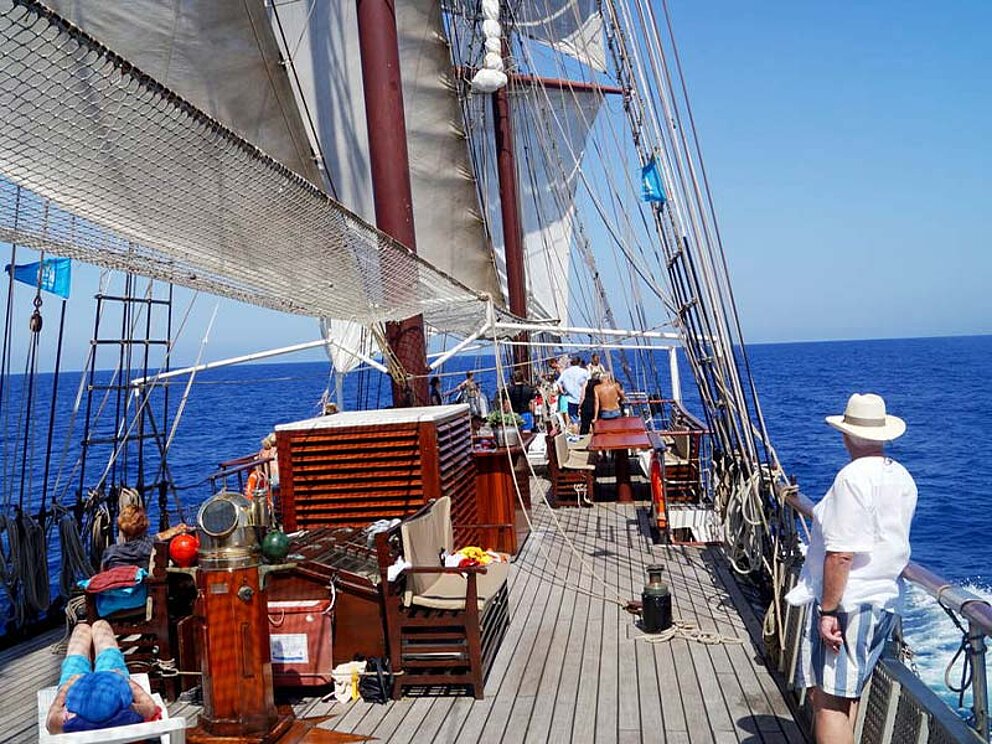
[848, 148]
[848, 151]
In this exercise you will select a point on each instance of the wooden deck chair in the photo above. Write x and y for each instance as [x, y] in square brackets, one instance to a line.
[444, 625]
[143, 634]
[682, 473]
[568, 467]
[167, 730]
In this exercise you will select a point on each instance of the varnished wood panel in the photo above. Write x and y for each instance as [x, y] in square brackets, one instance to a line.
[351, 476]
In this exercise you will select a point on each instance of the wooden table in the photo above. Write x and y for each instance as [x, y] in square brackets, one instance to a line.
[624, 423]
[618, 436]
[496, 470]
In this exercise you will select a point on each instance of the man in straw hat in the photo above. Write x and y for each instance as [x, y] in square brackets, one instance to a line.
[858, 548]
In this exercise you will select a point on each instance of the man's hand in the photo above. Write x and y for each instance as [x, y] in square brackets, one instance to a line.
[831, 633]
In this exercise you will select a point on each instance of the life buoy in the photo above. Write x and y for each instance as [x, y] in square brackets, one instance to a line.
[658, 492]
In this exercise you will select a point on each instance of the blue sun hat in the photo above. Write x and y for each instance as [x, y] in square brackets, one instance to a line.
[99, 697]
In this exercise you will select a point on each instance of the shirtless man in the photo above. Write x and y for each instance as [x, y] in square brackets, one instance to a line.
[609, 395]
[99, 693]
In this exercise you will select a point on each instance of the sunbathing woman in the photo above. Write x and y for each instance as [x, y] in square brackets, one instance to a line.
[95, 690]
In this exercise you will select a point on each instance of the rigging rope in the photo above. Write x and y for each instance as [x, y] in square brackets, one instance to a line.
[51, 415]
[74, 563]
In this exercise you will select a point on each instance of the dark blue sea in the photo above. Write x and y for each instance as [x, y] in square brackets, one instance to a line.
[938, 385]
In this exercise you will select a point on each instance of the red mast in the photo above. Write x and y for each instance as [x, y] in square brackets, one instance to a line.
[509, 202]
[390, 166]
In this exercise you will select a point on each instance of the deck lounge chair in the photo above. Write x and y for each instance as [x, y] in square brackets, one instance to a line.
[682, 476]
[143, 633]
[567, 467]
[444, 625]
[168, 730]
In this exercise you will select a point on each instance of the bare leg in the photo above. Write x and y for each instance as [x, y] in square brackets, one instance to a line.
[833, 718]
[103, 637]
[80, 641]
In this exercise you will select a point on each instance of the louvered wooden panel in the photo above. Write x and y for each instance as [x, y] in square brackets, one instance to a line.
[458, 477]
[354, 468]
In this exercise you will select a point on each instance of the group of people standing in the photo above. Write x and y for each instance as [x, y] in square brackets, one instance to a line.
[580, 390]
[586, 391]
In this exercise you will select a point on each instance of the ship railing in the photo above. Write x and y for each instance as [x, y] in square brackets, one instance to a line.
[895, 700]
[240, 468]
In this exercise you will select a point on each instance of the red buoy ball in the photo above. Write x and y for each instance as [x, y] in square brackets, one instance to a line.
[183, 550]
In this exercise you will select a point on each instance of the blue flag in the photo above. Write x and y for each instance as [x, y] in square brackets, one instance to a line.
[651, 188]
[53, 274]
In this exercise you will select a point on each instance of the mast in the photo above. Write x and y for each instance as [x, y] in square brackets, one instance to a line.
[390, 165]
[509, 204]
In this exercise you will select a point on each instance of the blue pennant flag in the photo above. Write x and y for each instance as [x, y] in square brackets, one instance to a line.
[53, 274]
[651, 188]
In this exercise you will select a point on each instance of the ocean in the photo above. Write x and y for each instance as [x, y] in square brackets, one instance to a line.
[938, 385]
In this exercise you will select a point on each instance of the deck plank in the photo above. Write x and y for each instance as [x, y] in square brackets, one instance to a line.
[569, 668]
[629, 705]
[543, 667]
[609, 666]
[584, 721]
[544, 692]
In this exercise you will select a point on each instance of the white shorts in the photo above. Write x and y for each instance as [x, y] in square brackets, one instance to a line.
[843, 673]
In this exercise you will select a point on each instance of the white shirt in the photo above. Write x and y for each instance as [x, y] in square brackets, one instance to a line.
[571, 381]
[867, 511]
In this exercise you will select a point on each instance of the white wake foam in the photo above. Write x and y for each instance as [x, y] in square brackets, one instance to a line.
[935, 638]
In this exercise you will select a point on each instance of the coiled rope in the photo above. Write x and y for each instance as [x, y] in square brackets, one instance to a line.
[75, 564]
[690, 632]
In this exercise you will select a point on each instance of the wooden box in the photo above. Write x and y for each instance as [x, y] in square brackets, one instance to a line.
[350, 469]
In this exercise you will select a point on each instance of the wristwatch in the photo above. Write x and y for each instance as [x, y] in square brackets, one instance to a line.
[829, 613]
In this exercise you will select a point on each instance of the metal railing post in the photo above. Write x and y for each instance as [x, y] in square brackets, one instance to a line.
[979, 680]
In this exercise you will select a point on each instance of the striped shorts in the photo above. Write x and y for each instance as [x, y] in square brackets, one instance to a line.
[843, 673]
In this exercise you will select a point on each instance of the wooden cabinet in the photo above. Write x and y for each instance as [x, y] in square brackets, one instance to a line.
[328, 567]
[350, 469]
[499, 507]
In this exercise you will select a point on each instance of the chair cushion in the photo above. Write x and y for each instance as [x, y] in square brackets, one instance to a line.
[561, 448]
[448, 592]
[681, 445]
[424, 539]
[581, 460]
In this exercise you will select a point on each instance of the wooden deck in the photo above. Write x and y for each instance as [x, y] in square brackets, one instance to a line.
[571, 667]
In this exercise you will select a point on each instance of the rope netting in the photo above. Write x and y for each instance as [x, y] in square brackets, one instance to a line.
[116, 170]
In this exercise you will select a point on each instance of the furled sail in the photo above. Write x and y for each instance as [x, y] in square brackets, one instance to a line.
[221, 56]
[320, 37]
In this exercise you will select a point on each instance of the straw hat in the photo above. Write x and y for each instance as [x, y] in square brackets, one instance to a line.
[865, 417]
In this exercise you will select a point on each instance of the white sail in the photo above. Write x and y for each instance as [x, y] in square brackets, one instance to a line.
[572, 27]
[322, 39]
[550, 127]
[347, 336]
[100, 162]
[220, 56]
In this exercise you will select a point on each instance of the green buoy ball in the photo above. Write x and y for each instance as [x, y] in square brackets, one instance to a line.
[275, 546]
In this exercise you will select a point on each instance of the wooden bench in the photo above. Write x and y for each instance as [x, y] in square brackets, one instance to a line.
[443, 625]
